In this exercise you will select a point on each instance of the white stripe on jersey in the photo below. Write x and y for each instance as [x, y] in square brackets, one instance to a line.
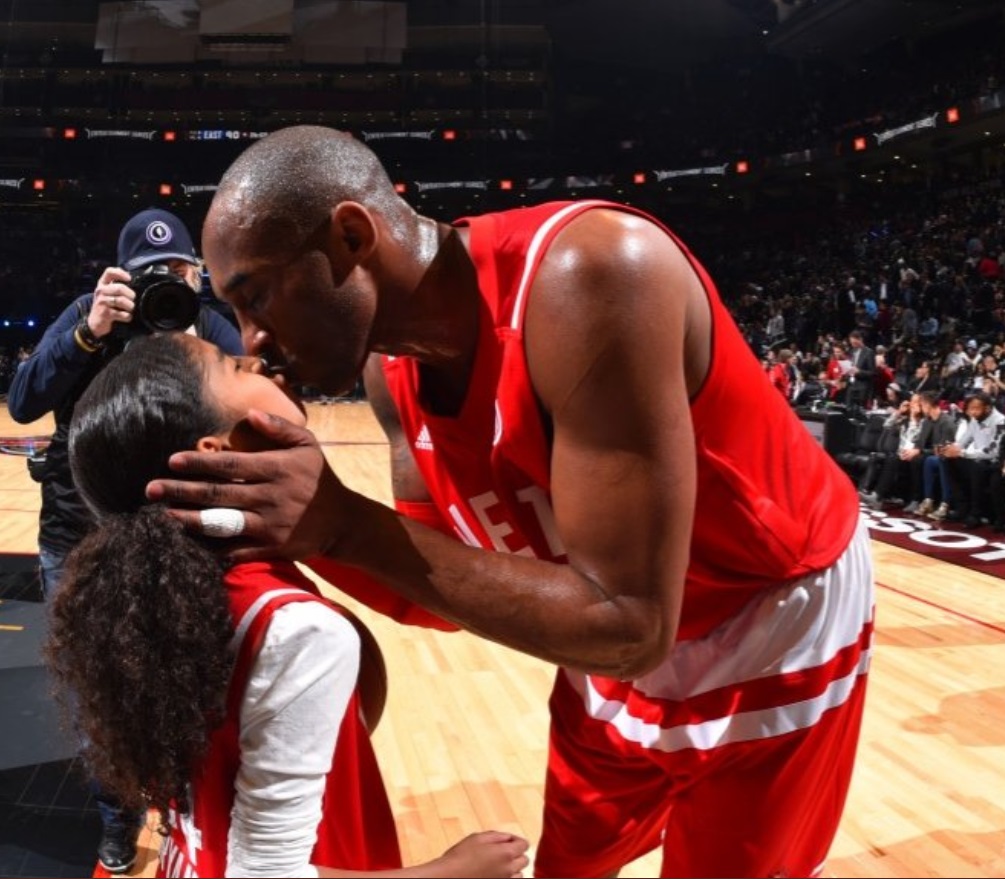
[534, 247]
[256, 607]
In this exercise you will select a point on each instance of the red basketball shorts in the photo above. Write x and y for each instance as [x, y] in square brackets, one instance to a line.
[735, 755]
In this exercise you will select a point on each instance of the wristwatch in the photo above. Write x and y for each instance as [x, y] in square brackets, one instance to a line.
[85, 338]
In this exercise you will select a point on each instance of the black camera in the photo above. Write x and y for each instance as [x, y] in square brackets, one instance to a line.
[164, 302]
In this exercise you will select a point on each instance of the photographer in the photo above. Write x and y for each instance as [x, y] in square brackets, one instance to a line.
[153, 289]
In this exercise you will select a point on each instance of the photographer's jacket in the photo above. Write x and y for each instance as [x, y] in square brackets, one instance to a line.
[52, 380]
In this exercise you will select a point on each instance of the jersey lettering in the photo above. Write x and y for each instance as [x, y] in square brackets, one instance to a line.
[535, 496]
[177, 861]
[174, 861]
[497, 529]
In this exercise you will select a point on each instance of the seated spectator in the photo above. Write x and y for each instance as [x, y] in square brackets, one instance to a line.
[987, 374]
[972, 456]
[926, 467]
[893, 399]
[889, 466]
[956, 373]
[924, 379]
[883, 377]
[995, 390]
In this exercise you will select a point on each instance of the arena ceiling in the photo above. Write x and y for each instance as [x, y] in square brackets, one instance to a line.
[655, 34]
[569, 36]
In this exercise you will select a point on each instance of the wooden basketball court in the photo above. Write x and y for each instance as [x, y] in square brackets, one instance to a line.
[464, 736]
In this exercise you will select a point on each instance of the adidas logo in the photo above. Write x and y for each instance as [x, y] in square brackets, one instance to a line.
[424, 441]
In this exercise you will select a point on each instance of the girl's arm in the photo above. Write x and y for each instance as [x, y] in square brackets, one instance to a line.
[294, 703]
[488, 854]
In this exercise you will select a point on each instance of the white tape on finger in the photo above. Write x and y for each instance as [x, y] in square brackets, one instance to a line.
[221, 522]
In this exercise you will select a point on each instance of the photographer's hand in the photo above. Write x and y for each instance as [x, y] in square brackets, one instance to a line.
[113, 302]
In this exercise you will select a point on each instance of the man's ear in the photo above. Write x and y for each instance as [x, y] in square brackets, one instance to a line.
[354, 230]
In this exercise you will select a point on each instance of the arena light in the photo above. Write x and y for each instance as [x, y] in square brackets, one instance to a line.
[401, 188]
[38, 184]
[742, 167]
[450, 134]
[69, 134]
[165, 189]
[506, 185]
[859, 144]
[170, 136]
[953, 115]
[639, 177]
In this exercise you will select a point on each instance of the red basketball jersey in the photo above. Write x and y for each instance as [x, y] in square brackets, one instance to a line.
[772, 505]
[357, 830]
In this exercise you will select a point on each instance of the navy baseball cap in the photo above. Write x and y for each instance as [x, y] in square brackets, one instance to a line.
[153, 236]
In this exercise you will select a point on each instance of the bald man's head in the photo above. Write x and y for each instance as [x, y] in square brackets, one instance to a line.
[285, 185]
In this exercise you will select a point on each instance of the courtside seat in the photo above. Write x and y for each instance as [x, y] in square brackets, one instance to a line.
[867, 432]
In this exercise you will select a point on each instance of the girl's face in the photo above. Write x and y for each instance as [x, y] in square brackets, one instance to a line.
[237, 384]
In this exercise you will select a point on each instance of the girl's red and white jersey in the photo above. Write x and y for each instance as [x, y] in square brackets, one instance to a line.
[357, 830]
[772, 505]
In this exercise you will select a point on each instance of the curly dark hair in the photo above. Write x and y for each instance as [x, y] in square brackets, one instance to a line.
[141, 628]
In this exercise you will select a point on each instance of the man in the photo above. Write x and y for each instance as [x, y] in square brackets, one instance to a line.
[883, 376]
[564, 391]
[926, 463]
[73, 350]
[783, 375]
[972, 458]
[862, 373]
[835, 375]
[923, 379]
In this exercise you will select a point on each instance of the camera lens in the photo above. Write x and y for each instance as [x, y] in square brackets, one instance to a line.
[163, 300]
[169, 305]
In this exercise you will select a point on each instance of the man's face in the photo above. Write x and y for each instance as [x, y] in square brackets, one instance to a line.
[977, 410]
[294, 307]
[186, 271]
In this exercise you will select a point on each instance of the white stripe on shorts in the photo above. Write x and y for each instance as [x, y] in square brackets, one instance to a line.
[796, 627]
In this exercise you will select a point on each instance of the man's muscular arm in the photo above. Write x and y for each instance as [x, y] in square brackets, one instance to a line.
[605, 346]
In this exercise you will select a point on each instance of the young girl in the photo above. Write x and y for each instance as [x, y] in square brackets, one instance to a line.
[226, 699]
